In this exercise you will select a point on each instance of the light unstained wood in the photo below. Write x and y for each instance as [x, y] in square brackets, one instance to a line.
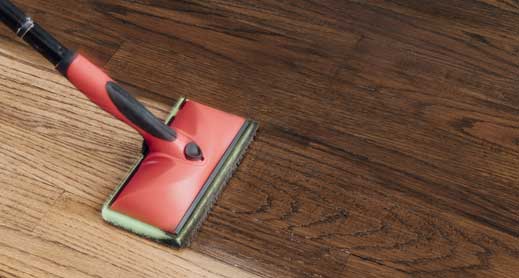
[45, 144]
[77, 227]
[48, 136]
[26, 194]
[26, 255]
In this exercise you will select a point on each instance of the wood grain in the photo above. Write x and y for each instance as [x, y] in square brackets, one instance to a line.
[42, 151]
[388, 143]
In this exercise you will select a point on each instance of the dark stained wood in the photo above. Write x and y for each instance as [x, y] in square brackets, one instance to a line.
[388, 143]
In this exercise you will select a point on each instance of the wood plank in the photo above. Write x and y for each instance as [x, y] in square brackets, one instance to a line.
[26, 194]
[78, 228]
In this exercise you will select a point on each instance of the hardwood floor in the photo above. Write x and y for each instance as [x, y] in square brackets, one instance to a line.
[388, 145]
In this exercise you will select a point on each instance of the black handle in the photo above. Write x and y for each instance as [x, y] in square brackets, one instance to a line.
[11, 15]
[32, 33]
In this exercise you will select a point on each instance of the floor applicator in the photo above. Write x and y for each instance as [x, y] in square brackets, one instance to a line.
[186, 161]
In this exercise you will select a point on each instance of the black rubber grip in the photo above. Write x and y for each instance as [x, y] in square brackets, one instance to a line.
[138, 114]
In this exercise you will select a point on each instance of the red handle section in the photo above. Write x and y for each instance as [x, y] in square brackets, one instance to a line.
[104, 92]
[91, 81]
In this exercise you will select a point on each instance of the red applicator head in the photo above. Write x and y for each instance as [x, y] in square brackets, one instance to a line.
[164, 186]
[185, 164]
[166, 197]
